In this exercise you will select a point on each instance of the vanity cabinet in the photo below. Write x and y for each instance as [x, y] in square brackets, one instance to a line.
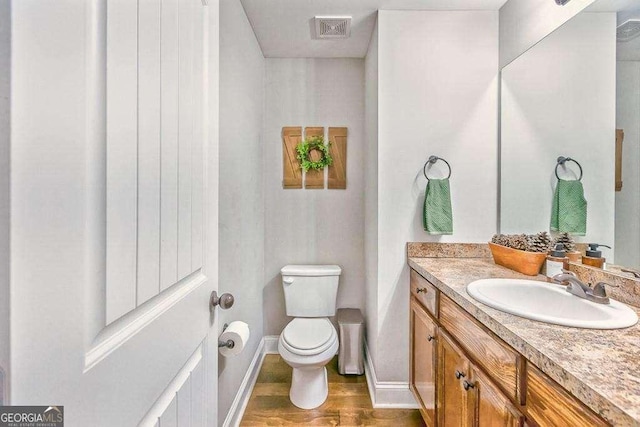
[455, 403]
[424, 332]
[469, 397]
[550, 405]
[462, 374]
[425, 293]
[493, 408]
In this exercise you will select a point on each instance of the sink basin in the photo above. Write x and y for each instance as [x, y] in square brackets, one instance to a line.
[550, 303]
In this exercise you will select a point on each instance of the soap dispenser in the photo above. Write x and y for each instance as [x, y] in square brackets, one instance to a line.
[557, 261]
[593, 256]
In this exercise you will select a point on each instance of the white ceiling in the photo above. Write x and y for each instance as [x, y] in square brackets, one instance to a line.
[284, 27]
[612, 6]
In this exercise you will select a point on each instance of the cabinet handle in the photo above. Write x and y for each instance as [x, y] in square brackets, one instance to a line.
[421, 290]
[467, 385]
[460, 375]
[430, 338]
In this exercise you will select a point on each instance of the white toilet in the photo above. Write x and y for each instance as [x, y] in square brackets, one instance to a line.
[309, 341]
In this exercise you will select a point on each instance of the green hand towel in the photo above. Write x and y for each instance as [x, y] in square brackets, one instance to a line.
[437, 215]
[569, 210]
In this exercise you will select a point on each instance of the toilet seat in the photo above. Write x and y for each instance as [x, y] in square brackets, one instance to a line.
[308, 336]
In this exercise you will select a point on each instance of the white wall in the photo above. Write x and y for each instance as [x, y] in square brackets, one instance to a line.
[371, 192]
[241, 222]
[559, 99]
[437, 95]
[627, 223]
[313, 226]
[524, 23]
[5, 90]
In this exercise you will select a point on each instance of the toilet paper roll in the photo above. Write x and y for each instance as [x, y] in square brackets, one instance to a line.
[238, 332]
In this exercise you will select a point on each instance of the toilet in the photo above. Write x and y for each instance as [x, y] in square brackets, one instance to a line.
[309, 341]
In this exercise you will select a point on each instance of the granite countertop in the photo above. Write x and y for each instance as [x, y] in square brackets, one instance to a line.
[599, 367]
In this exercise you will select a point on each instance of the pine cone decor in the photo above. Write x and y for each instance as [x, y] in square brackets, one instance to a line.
[519, 241]
[500, 239]
[566, 240]
[520, 252]
[540, 242]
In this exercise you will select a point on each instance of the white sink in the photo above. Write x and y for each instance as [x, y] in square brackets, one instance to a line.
[550, 303]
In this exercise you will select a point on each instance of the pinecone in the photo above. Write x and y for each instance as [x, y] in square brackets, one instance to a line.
[503, 239]
[499, 239]
[540, 242]
[566, 240]
[518, 241]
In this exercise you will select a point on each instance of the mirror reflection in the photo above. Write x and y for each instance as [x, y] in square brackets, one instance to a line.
[576, 94]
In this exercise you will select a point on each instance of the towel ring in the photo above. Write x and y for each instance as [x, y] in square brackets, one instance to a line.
[562, 160]
[432, 160]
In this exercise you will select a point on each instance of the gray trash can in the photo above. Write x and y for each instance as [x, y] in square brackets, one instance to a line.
[351, 329]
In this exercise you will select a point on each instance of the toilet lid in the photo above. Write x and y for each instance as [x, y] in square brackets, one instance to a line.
[308, 334]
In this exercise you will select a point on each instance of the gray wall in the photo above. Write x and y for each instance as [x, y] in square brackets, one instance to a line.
[5, 90]
[371, 193]
[241, 222]
[313, 226]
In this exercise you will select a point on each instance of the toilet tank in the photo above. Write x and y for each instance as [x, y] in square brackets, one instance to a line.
[310, 290]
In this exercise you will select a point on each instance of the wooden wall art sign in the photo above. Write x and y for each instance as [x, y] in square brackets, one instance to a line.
[292, 174]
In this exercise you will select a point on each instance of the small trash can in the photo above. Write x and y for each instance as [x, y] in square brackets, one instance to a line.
[351, 330]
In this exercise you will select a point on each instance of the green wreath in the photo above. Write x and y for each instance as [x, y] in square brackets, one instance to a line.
[310, 144]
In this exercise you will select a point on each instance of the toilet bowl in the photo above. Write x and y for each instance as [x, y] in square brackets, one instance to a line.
[307, 345]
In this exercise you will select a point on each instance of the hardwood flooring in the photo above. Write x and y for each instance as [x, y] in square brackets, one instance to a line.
[348, 403]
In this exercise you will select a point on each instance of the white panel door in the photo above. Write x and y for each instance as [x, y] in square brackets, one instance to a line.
[114, 207]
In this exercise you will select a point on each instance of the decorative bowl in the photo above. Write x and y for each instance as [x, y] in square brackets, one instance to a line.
[524, 262]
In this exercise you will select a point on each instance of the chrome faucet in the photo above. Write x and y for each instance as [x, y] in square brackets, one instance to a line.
[596, 294]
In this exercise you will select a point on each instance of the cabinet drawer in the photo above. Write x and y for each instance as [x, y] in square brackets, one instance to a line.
[500, 361]
[550, 405]
[425, 293]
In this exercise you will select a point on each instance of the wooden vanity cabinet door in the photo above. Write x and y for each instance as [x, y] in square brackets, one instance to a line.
[423, 361]
[493, 408]
[549, 405]
[455, 404]
[496, 357]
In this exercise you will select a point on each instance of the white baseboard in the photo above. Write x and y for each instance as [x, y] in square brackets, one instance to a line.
[236, 411]
[387, 394]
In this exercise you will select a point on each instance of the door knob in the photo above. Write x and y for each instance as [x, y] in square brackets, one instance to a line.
[459, 375]
[225, 301]
[467, 385]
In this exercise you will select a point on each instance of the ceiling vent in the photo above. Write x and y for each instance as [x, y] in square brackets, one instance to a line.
[333, 27]
[630, 29]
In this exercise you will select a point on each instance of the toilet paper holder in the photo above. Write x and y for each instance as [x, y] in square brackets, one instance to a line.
[227, 343]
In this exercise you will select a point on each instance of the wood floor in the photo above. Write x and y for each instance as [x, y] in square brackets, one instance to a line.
[348, 403]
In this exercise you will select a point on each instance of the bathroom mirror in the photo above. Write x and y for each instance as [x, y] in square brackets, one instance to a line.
[566, 96]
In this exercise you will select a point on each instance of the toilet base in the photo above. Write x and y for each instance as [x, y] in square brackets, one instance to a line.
[309, 387]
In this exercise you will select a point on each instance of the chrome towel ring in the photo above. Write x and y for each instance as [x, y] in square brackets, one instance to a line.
[432, 160]
[562, 160]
